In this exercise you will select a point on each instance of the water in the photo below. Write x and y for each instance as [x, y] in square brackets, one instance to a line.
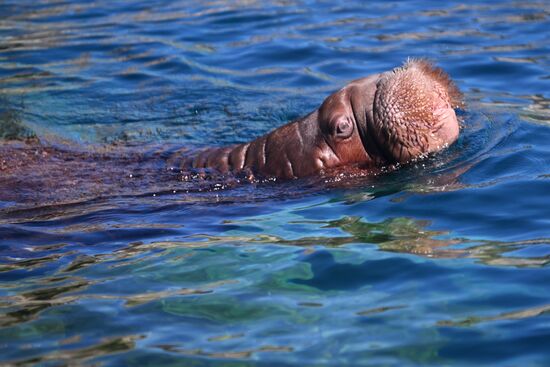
[444, 262]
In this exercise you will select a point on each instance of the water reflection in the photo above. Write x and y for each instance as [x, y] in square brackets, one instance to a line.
[225, 355]
[538, 111]
[108, 346]
[516, 315]
[27, 306]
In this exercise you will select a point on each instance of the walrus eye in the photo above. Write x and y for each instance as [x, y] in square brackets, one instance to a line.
[342, 128]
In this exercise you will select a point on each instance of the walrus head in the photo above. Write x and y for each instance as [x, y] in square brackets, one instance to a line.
[393, 117]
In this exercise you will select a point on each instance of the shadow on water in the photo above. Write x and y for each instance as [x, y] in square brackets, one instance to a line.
[330, 275]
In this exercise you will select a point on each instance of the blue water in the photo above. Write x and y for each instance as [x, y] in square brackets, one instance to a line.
[444, 262]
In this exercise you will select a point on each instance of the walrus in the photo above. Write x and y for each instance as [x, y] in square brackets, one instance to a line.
[383, 120]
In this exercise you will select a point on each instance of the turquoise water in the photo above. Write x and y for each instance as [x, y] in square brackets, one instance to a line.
[444, 262]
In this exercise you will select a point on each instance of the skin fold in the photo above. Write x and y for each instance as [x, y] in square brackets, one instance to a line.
[383, 119]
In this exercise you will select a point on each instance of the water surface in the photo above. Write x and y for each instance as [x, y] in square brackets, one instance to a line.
[443, 262]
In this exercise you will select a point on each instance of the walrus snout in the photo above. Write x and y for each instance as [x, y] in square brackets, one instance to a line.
[413, 111]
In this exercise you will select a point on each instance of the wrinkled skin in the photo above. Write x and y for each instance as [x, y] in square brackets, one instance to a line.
[383, 119]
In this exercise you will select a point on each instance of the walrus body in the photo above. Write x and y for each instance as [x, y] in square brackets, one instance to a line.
[377, 121]
[382, 119]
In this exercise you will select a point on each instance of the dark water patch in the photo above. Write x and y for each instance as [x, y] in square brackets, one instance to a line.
[330, 275]
[484, 351]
